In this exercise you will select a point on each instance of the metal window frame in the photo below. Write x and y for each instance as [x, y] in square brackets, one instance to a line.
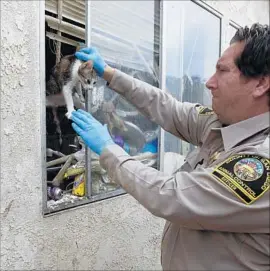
[162, 77]
[42, 73]
[88, 101]
[234, 24]
[89, 198]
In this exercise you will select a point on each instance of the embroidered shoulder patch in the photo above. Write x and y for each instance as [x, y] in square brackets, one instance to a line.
[205, 111]
[248, 176]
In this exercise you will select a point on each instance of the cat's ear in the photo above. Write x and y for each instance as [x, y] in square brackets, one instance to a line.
[82, 68]
[84, 65]
[89, 64]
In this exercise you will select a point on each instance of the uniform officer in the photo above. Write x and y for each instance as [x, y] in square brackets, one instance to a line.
[217, 204]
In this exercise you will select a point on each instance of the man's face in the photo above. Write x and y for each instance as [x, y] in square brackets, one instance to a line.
[231, 91]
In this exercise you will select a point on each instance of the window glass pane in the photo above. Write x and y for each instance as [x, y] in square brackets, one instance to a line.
[193, 45]
[126, 34]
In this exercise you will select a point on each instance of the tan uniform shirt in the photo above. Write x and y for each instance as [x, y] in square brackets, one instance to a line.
[217, 205]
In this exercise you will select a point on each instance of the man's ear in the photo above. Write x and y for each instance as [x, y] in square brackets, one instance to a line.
[262, 87]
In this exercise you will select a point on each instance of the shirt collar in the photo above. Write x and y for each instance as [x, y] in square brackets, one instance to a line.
[235, 133]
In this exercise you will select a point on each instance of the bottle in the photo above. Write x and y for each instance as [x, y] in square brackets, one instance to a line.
[54, 193]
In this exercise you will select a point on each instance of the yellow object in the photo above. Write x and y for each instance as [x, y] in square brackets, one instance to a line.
[74, 171]
[79, 185]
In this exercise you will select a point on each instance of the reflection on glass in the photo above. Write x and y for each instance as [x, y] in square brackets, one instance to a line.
[193, 47]
[126, 33]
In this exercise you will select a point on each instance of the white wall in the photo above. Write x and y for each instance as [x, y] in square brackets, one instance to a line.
[112, 234]
[243, 12]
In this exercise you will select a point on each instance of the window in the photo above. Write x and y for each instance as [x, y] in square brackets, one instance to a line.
[127, 35]
[192, 49]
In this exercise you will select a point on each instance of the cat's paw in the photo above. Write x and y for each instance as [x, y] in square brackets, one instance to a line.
[68, 114]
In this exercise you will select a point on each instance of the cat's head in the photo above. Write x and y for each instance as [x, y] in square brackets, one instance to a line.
[86, 73]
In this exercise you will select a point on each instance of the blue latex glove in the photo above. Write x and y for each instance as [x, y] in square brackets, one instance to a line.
[95, 135]
[92, 53]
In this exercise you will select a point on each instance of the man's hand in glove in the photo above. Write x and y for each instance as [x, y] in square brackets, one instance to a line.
[102, 69]
[94, 134]
[92, 53]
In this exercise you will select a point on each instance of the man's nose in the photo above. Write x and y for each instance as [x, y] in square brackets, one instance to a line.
[212, 82]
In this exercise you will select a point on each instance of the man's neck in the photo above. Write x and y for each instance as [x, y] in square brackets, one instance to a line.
[250, 113]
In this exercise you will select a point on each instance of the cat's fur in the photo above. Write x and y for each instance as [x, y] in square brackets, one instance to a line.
[68, 76]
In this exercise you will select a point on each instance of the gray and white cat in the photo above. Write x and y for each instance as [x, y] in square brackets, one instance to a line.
[67, 79]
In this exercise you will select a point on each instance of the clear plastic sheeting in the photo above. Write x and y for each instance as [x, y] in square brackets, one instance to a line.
[126, 33]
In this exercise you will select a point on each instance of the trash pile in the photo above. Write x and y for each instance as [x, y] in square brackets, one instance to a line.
[67, 173]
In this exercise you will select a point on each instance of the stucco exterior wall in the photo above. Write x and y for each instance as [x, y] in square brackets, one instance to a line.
[111, 234]
[243, 12]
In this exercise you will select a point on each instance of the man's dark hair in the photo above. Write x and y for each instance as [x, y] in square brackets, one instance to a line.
[255, 58]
